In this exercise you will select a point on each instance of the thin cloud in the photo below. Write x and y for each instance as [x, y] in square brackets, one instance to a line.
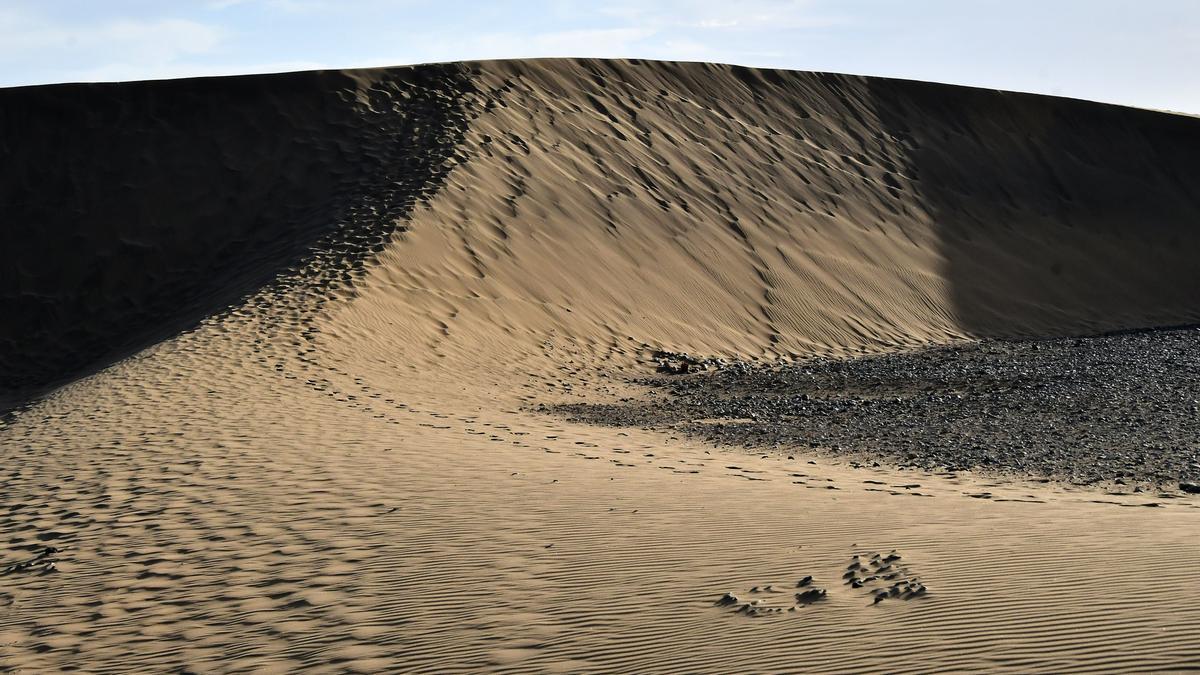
[31, 47]
[282, 5]
[597, 42]
[156, 40]
[718, 15]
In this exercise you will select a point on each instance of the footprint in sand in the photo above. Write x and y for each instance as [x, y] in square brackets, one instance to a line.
[885, 577]
[44, 561]
[773, 598]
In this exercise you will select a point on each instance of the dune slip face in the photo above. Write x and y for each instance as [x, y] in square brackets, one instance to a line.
[133, 211]
[277, 351]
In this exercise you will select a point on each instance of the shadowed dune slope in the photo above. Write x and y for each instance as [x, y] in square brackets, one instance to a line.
[1054, 215]
[691, 206]
[132, 210]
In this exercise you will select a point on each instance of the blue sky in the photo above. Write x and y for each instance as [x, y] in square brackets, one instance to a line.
[1143, 53]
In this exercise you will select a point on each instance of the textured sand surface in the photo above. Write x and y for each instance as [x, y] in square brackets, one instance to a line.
[288, 332]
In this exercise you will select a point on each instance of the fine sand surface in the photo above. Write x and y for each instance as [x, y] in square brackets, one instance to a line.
[273, 348]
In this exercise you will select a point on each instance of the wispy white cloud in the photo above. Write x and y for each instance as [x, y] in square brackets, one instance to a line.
[109, 49]
[683, 49]
[723, 15]
[282, 5]
[27, 37]
[590, 42]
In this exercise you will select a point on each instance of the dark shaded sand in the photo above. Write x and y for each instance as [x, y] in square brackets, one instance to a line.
[133, 211]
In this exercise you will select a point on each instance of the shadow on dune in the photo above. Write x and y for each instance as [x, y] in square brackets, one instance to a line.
[133, 210]
[1054, 216]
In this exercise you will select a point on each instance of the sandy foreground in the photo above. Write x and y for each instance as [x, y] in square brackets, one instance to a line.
[276, 408]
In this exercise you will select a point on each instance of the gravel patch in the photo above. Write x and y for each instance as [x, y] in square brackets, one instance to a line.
[1119, 407]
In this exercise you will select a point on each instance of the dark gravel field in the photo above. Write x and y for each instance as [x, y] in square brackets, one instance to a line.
[1123, 408]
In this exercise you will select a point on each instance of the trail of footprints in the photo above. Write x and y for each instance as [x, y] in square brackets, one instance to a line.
[883, 576]
[45, 561]
[774, 599]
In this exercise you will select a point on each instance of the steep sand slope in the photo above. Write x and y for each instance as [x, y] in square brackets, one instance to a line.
[335, 473]
[726, 210]
[134, 210]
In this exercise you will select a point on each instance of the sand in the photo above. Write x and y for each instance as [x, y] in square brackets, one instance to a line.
[273, 347]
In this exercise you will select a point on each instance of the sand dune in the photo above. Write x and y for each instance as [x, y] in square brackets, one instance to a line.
[274, 345]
